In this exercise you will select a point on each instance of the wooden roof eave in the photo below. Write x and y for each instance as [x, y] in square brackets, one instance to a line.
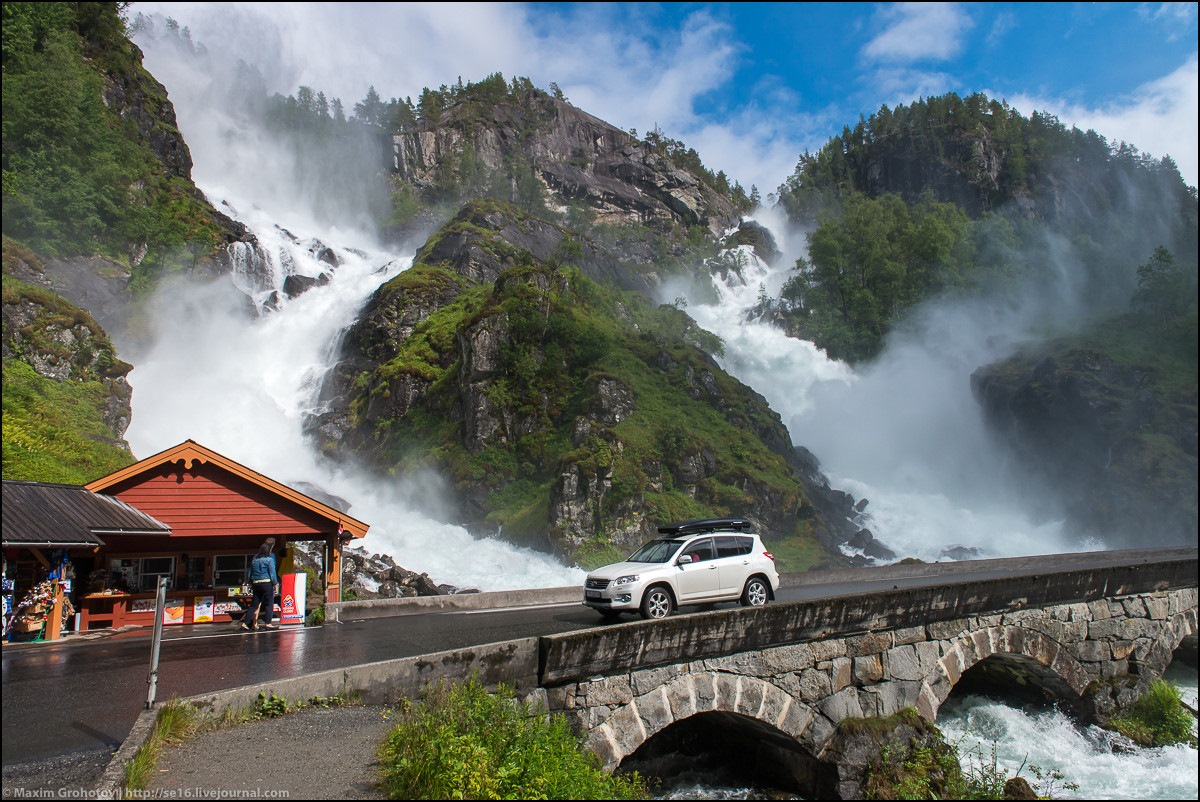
[191, 452]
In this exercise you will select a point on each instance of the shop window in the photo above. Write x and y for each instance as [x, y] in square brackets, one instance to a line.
[230, 570]
[140, 574]
[194, 568]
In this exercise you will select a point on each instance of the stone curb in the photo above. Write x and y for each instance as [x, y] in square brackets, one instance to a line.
[113, 778]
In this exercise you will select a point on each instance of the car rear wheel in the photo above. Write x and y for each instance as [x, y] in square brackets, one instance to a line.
[656, 603]
[756, 593]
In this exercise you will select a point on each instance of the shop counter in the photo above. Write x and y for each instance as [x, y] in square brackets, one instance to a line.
[100, 610]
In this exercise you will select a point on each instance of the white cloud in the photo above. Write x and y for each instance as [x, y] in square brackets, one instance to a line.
[1159, 118]
[919, 31]
[626, 79]
[1180, 18]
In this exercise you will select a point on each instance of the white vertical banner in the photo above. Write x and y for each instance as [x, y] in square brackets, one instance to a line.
[293, 588]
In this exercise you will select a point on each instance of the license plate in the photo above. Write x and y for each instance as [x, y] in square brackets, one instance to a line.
[591, 594]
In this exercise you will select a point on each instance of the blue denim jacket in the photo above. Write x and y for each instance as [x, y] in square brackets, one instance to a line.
[263, 567]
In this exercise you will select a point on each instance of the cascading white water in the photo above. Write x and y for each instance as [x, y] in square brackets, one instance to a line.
[1086, 756]
[903, 433]
[242, 385]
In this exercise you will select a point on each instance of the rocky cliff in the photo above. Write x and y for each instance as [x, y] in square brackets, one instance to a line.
[567, 415]
[578, 158]
[66, 396]
[1114, 442]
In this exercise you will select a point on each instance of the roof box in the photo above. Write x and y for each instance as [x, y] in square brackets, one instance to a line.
[706, 525]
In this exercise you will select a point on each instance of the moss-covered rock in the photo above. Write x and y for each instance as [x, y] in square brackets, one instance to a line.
[567, 414]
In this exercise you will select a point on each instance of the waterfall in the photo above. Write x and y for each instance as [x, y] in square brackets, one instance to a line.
[237, 365]
[903, 432]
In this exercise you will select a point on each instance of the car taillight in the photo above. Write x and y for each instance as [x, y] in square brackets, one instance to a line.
[769, 555]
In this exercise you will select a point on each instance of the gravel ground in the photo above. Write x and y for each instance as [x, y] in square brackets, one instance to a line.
[65, 777]
[316, 753]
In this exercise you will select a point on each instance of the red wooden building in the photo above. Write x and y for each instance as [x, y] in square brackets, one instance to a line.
[219, 513]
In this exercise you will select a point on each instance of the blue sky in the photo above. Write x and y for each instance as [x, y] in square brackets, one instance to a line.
[750, 86]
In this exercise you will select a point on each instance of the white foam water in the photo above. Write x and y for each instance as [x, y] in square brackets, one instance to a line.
[1103, 765]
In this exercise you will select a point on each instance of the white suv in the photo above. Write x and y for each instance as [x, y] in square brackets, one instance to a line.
[695, 562]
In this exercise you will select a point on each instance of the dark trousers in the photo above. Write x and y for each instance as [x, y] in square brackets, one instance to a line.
[263, 599]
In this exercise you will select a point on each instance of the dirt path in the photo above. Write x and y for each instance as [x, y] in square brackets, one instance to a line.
[317, 753]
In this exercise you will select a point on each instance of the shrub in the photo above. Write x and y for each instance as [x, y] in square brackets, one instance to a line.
[461, 742]
[1158, 718]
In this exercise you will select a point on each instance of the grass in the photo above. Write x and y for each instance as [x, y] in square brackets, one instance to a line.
[461, 742]
[1158, 718]
[176, 722]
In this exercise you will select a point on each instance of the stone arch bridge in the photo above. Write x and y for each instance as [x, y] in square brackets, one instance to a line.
[774, 683]
[784, 676]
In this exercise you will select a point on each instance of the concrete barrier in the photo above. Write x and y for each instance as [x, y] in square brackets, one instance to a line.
[413, 605]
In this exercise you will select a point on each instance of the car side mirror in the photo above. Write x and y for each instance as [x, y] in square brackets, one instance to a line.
[686, 558]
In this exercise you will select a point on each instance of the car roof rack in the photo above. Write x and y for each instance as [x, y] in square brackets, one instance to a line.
[706, 525]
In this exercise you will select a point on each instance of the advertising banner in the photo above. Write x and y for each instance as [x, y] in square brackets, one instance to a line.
[203, 611]
[173, 613]
[226, 608]
[291, 604]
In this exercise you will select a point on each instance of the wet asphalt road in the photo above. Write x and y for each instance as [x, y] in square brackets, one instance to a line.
[83, 697]
[80, 696]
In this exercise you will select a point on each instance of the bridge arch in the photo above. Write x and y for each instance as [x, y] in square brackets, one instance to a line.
[635, 722]
[1045, 656]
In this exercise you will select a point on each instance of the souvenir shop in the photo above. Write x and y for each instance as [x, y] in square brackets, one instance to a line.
[198, 519]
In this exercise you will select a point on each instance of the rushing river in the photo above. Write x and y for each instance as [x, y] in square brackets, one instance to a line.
[1074, 761]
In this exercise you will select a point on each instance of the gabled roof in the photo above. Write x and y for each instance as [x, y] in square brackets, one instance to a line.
[190, 452]
[60, 516]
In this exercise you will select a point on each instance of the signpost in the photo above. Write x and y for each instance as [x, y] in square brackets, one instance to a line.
[160, 607]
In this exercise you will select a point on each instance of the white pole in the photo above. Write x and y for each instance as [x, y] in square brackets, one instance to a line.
[160, 606]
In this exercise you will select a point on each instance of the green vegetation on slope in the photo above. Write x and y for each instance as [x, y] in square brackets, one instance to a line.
[564, 342]
[78, 177]
[960, 195]
[53, 431]
[461, 742]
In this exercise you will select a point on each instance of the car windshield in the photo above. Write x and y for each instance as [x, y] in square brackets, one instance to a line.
[656, 551]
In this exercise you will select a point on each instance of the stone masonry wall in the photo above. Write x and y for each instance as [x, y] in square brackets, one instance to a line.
[805, 689]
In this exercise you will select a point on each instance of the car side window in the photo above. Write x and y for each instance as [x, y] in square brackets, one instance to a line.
[700, 550]
[729, 546]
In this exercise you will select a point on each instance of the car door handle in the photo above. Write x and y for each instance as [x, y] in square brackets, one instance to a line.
[712, 567]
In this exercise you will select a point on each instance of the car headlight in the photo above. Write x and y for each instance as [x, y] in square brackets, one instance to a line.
[626, 580]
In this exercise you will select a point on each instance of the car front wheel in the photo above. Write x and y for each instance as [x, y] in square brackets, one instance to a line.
[756, 593]
[656, 603]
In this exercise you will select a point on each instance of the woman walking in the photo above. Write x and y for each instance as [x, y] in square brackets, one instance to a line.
[265, 583]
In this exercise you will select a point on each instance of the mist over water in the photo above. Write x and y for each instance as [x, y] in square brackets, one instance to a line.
[241, 383]
[903, 432]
